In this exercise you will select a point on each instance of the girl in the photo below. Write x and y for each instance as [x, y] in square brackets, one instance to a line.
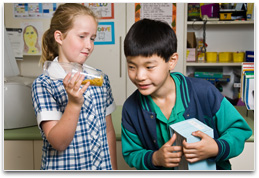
[75, 120]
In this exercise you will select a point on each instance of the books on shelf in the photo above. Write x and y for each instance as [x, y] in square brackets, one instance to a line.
[212, 76]
[208, 74]
[247, 84]
[250, 11]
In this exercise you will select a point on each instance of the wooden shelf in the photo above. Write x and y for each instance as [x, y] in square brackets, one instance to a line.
[221, 22]
[216, 64]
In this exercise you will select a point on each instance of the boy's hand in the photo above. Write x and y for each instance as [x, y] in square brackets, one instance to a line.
[168, 155]
[201, 150]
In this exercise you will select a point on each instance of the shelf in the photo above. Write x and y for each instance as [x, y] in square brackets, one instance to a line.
[213, 64]
[221, 22]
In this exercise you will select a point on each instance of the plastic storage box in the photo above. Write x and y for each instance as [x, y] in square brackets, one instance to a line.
[238, 56]
[211, 56]
[225, 16]
[225, 56]
[211, 10]
[249, 56]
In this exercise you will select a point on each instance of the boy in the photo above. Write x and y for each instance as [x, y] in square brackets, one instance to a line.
[163, 98]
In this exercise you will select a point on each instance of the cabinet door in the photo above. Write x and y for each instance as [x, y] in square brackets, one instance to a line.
[37, 154]
[110, 58]
[246, 160]
[18, 155]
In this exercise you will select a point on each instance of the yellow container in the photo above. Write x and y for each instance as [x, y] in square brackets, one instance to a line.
[225, 56]
[211, 56]
[238, 56]
[225, 16]
[201, 57]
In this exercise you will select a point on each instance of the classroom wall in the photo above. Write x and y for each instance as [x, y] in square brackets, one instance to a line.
[29, 65]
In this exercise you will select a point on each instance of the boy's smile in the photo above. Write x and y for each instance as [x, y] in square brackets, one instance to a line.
[151, 75]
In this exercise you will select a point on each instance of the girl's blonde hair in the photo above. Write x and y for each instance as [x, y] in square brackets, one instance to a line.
[62, 20]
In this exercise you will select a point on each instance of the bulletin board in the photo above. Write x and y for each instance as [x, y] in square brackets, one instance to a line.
[157, 11]
[36, 17]
[34, 10]
[20, 16]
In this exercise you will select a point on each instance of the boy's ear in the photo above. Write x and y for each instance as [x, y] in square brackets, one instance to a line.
[173, 61]
[58, 36]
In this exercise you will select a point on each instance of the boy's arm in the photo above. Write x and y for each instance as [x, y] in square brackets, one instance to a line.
[134, 153]
[111, 141]
[233, 131]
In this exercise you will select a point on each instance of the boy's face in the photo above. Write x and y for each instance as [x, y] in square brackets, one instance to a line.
[151, 74]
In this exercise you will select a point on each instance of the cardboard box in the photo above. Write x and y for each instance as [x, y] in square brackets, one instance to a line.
[184, 130]
[191, 54]
[191, 40]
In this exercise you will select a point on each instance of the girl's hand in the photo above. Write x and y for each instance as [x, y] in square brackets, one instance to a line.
[168, 155]
[201, 150]
[72, 86]
[54, 129]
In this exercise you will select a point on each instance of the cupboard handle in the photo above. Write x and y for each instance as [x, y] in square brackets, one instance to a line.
[120, 59]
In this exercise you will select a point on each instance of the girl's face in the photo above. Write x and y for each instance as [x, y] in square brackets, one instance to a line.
[78, 44]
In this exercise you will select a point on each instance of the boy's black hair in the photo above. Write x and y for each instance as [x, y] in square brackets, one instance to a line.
[148, 37]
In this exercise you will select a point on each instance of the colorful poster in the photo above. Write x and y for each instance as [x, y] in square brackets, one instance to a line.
[105, 33]
[104, 10]
[48, 9]
[32, 34]
[157, 11]
[34, 10]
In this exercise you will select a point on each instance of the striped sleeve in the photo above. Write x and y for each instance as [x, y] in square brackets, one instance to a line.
[233, 131]
[134, 153]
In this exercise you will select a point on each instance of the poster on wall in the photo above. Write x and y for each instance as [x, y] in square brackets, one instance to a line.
[105, 33]
[157, 11]
[34, 10]
[104, 10]
[32, 34]
[16, 40]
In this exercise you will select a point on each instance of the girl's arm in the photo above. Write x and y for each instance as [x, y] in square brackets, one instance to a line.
[111, 141]
[60, 133]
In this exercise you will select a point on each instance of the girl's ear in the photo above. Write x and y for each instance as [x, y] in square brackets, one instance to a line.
[173, 61]
[58, 36]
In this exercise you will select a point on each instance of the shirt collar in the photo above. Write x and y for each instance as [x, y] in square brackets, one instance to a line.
[178, 108]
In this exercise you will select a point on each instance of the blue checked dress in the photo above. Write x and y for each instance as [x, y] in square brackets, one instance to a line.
[89, 148]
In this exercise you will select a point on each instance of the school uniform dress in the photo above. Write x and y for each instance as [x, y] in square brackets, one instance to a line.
[145, 128]
[89, 148]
